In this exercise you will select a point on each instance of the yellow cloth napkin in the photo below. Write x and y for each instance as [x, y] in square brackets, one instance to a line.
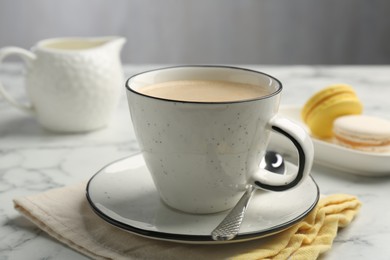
[64, 213]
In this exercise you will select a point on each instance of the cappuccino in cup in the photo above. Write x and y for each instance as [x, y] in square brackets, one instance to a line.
[204, 91]
[203, 131]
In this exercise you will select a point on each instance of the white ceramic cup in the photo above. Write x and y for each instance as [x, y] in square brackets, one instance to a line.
[73, 84]
[203, 155]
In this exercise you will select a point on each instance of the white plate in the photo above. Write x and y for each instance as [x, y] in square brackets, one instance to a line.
[332, 155]
[123, 194]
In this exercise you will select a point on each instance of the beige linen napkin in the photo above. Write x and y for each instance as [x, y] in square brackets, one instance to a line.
[65, 214]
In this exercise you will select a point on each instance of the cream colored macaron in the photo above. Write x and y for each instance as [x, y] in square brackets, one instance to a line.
[325, 106]
[361, 132]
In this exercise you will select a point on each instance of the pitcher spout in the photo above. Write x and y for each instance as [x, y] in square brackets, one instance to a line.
[114, 42]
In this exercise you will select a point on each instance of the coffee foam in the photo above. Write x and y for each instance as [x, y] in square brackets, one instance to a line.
[204, 91]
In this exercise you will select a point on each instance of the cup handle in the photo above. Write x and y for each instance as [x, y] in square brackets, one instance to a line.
[267, 180]
[28, 57]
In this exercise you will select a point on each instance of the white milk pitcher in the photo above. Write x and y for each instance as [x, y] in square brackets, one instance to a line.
[73, 84]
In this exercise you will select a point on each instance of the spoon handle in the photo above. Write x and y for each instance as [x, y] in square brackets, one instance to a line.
[230, 225]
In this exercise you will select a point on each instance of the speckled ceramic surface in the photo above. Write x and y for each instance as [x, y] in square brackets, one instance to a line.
[123, 194]
[73, 84]
[202, 155]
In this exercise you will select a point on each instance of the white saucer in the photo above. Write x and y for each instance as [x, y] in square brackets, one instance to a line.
[332, 155]
[123, 194]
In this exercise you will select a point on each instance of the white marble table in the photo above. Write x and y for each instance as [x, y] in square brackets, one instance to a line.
[33, 160]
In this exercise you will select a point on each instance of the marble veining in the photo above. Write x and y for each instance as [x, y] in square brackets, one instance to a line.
[33, 160]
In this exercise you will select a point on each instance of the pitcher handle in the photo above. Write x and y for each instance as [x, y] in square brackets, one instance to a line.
[28, 57]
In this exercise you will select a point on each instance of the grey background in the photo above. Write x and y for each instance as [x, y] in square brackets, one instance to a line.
[212, 31]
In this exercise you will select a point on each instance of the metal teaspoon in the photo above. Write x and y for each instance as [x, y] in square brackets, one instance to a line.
[230, 225]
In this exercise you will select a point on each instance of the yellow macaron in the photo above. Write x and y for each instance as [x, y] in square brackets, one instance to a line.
[325, 106]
